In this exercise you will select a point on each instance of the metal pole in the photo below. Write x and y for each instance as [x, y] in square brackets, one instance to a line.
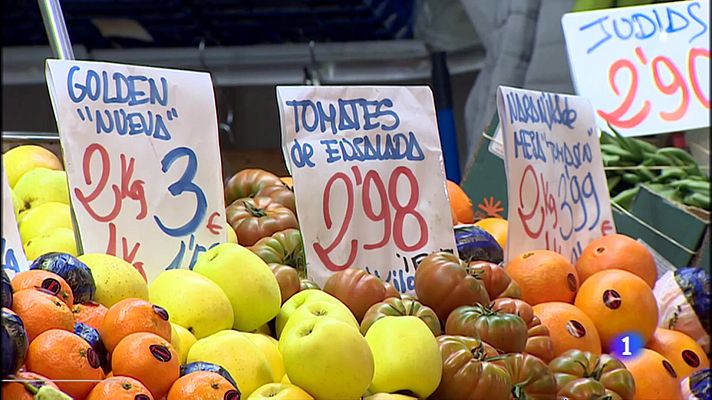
[56, 29]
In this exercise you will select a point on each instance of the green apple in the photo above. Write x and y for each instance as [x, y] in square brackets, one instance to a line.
[328, 358]
[269, 347]
[280, 391]
[115, 279]
[56, 239]
[389, 396]
[41, 185]
[236, 353]
[298, 300]
[41, 219]
[182, 340]
[406, 355]
[21, 159]
[246, 280]
[16, 203]
[192, 301]
[318, 309]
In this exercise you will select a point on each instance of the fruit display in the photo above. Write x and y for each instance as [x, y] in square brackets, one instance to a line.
[246, 322]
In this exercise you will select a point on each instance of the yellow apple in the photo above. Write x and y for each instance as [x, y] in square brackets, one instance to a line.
[231, 235]
[16, 203]
[41, 185]
[318, 309]
[182, 340]
[41, 219]
[285, 379]
[406, 356]
[54, 240]
[268, 346]
[246, 280]
[236, 353]
[298, 300]
[263, 329]
[192, 301]
[279, 391]
[21, 159]
[389, 396]
[115, 279]
[328, 358]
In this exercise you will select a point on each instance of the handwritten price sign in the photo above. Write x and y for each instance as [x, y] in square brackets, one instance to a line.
[368, 176]
[646, 69]
[13, 254]
[142, 158]
[556, 188]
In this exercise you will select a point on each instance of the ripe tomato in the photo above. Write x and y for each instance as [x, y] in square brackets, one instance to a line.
[505, 332]
[247, 182]
[394, 306]
[538, 338]
[574, 368]
[259, 217]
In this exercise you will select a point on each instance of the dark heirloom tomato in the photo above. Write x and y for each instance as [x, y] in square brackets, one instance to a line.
[442, 282]
[259, 217]
[505, 332]
[531, 378]
[467, 375]
[283, 247]
[308, 284]
[356, 288]
[496, 280]
[247, 182]
[577, 365]
[395, 306]
[281, 194]
[287, 278]
[538, 338]
[583, 389]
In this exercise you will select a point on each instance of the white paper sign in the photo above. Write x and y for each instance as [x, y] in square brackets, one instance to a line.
[142, 158]
[646, 69]
[13, 254]
[369, 178]
[556, 188]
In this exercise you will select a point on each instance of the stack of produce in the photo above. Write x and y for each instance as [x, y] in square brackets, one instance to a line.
[246, 323]
[669, 171]
[40, 197]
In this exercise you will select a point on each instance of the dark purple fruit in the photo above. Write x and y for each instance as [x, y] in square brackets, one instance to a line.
[208, 367]
[14, 342]
[75, 272]
[6, 290]
[99, 355]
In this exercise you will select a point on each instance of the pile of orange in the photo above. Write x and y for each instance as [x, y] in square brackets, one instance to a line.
[605, 295]
[137, 334]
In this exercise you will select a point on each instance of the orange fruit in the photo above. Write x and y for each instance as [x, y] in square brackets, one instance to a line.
[569, 328]
[90, 313]
[203, 385]
[683, 352]
[460, 203]
[654, 375]
[543, 276]
[44, 279]
[618, 302]
[617, 251]
[60, 355]
[119, 388]
[287, 180]
[18, 390]
[41, 311]
[130, 316]
[497, 227]
[149, 358]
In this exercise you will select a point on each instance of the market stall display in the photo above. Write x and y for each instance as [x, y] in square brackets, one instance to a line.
[366, 275]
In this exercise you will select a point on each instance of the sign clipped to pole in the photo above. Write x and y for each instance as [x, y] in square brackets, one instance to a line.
[368, 178]
[13, 254]
[142, 158]
[646, 69]
[556, 187]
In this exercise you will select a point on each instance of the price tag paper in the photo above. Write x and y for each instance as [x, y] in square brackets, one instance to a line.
[13, 254]
[368, 177]
[646, 69]
[142, 158]
[556, 188]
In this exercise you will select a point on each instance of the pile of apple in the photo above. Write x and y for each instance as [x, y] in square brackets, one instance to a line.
[40, 196]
